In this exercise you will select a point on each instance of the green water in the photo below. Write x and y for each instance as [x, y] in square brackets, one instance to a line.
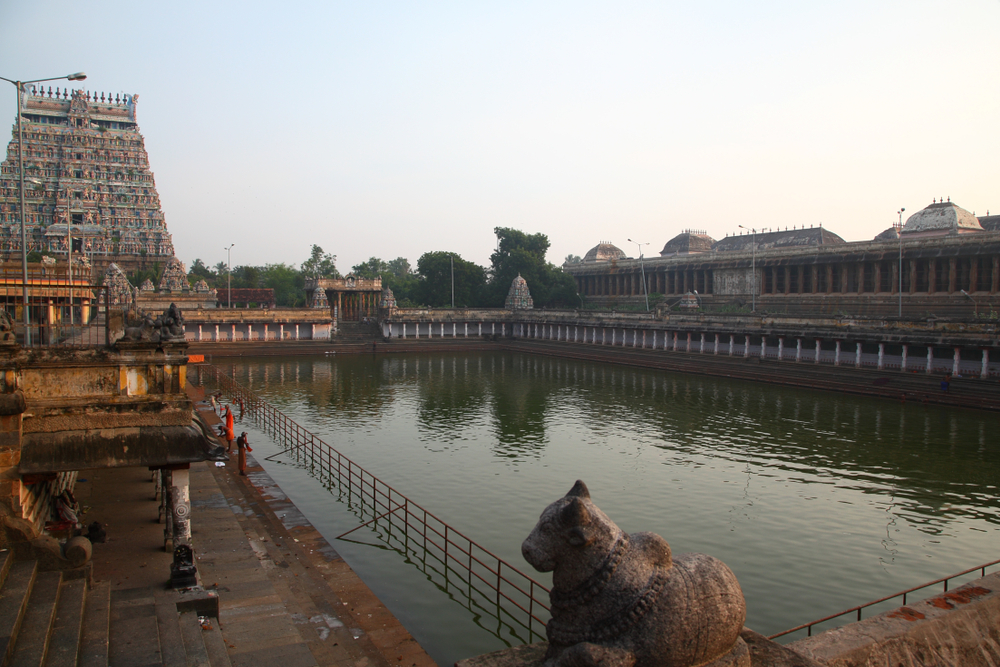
[817, 501]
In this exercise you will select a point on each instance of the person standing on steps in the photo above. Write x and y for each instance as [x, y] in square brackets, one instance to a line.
[243, 446]
[229, 430]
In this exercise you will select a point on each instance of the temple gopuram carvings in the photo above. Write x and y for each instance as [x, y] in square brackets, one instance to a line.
[85, 165]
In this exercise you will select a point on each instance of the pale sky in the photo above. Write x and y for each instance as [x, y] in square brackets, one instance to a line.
[394, 129]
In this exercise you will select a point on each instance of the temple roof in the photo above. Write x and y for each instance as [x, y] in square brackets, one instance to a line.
[891, 234]
[990, 223]
[942, 217]
[604, 252]
[788, 238]
[687, 242]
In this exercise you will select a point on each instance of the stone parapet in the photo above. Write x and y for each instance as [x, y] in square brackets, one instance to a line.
[958, 628]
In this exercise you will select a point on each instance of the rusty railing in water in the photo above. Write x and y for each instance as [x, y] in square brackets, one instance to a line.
[809, 626]
[490, 584]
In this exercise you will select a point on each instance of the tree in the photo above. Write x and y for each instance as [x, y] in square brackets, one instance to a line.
[319, 265]
[221, 268]
[287, 282]
[435, 271]
[371, 269]
[573, 259]
[524, 254]
[400, 267]
[199, 271]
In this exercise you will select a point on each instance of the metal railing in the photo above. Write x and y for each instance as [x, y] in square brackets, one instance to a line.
[809, 626]
[487, 584]
[60, 313]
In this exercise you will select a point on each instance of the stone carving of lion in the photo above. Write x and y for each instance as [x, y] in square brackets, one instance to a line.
[621, 600]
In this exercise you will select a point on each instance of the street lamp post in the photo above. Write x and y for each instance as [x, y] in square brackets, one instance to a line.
[642, 267]
[975, 303]
[899, 235]
[229, 276]
[753, 267]
[78, 76]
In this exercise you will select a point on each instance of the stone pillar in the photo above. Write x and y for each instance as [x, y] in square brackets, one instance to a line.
[746, 347]
[732, 344]
[503, 328]
[985, 372]
[297, 331]
[930, 358]
[716, 350]
[687, 348]
[466, 329]
[644, 339]
[902, 361]
[604, 335]
[836, 355]
[881, 356]
[265, 332]
[781, 347]
[701, 348]
[216, 332]
[199, 332]
[180, 506]
[480, 329]
[452, 329]
[798, 350]
[404, 330]
[956, 364]
[857, 355]
[952, 275]
[675, 342]
[819, 348]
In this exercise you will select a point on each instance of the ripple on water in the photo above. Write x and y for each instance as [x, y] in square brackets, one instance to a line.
[782, 484]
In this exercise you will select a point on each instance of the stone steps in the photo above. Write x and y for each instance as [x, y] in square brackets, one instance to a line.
[49, 620]
[152, 630]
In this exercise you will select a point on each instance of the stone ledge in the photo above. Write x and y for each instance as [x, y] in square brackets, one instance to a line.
[955, 628]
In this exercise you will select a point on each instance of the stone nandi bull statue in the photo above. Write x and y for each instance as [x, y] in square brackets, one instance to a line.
[621, 600]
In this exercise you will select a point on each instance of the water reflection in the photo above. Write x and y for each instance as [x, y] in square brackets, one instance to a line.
[780, 483]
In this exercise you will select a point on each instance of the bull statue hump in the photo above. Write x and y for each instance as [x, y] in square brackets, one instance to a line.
[621, 600]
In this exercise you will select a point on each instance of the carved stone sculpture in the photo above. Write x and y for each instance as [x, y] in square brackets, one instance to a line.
[622, 600]
[7, 336]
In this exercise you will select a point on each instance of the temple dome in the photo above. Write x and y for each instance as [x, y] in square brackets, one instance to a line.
[688, 242]
[941, 218]
[891, 234]
[604, 252]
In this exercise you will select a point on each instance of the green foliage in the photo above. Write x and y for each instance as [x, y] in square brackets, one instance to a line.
[371, 269]
[320, 264]
[524, 254]
[573, 259]
[153, 273]
[287, 282]
[400, 267]
[434, 287]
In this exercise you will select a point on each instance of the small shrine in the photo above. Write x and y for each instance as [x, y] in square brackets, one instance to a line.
[319, 299]
[388, 301]
[147, 286]
[174, 277]
[519, 298]
[120, 290]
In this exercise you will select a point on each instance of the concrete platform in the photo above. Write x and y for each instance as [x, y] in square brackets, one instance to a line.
[285, 596]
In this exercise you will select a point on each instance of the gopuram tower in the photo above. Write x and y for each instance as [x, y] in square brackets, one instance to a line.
[85, 165]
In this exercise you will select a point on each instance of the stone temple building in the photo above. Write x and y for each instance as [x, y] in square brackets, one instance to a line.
[944, 261]
[86, 166]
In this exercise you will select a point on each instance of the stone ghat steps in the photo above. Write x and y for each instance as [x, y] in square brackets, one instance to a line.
[145, 629]
[52, 619]
[891, 384]
[356, 332]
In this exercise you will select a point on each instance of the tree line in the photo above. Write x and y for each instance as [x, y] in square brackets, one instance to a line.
[429, 284]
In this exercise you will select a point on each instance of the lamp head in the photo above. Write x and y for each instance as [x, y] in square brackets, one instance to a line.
[78, 76]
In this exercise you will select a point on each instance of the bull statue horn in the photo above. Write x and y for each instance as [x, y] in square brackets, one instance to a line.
[579, 490]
